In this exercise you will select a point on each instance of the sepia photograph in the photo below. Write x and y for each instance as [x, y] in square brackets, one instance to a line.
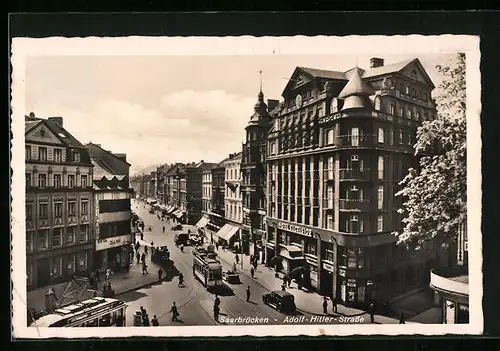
[246, 186]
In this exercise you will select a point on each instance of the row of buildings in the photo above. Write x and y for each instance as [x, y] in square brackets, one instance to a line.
[78, 216]
[315, 181]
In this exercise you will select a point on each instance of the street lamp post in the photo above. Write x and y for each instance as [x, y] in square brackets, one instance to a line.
[241, 247]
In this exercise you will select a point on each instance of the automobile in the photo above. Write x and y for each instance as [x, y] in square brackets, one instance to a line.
[194, 239]
[177, 227]
[281, 301]
[181, 239]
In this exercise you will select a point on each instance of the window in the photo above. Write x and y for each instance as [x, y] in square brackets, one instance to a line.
[400, 137]
[27, 152]
[57, 155]
[28, 180]
[331, 167]
[71, 263]
[401, 111]
[29, 211]
[418, 115]
[83, 237]
[380, 167]
[42, 153]
[71, 180]
[329, 137]
[43, 210]
[76, 156]
[84, 181]
[409, 112]
[407, 90]
[43, 236]
[392, 110]
[354, 136]
[85, 207]
[380, 223]
[273, 148]
[56, 237]
[29, 273]
[82, 260]
[57, 180]
[42, 180]
[381, 135]
[380, 197]
[71, 208]
[58, 209]
[329, 221]
[70, 234]
[29, 241]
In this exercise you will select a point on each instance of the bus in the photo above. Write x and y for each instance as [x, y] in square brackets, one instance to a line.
[95, 312]
[207, 270]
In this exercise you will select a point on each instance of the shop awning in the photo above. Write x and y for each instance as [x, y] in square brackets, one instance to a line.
[178, 214]
[171, 210]
[291, 252]
[203, 222]
[230, 232]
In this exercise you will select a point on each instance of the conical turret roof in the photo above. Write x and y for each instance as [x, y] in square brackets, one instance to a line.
[356, 86]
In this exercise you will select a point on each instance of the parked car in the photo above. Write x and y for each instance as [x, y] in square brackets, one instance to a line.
[281, 301]
[181, 239]
[177, 227]
[194, 240]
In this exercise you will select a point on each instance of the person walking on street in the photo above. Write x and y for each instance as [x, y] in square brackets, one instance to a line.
[402, 318]
[138, 257]
[160, 274]
[163, 229]
[325, 305]
[175, 312]
[248, 293]
[237, 258]
[142, 235]
[252, 272]
[371, 310]
[144, 268]
[154, 321]
[146, 321]
[143, 258]
[216, 312]
[334, 304]
[217, 301]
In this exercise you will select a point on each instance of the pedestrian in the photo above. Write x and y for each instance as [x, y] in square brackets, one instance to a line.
[252, 272]
[142, 235]
[108, 274]
[154, 321]
[160, 274]
[334, 304]
[138, 256]
[248, 293]
[402, 318]
[255, 264]
[143, 312]
[371, 310]
[283, 287]
[237, 258]
[325, 305]
[175, 312]
[251, 258]
[163, 229]
[143, 258]
[144, 268]
[146, 250]
[146, 321]
[217, 301]
[289, 281]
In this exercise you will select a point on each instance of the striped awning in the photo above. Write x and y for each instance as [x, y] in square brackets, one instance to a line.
[178, 214]
[203, 222]
[227, 232]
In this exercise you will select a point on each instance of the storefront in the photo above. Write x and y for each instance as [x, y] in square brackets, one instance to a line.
[451, 285]
[113, 253]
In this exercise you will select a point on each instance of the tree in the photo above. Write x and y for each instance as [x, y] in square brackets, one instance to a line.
[435, 193]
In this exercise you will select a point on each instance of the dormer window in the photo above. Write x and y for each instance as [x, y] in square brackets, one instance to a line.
[76, 156]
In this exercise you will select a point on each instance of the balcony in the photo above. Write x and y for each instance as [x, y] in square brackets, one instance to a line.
[349, 141]
[354, 205]
[453, 280]
[355, 174]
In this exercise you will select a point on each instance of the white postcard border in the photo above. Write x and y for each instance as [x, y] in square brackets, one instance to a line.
[247, 45]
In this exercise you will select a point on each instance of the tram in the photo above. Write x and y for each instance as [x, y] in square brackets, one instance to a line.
[95, 312]
[208, 270]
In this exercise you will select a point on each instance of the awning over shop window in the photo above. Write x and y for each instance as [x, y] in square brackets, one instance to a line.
[291, 252]
[178, 214]
[227, 232]
[203, 222]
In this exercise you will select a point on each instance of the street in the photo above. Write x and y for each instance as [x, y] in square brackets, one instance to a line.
[194, 302]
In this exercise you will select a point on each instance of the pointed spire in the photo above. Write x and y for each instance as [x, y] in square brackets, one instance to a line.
[356, 86]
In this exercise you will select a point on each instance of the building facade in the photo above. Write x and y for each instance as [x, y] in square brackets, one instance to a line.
[206, 185]
[216, 214]
[113, 215]
[337, 151]
[253, 170]
[59, 204]
[161, 183]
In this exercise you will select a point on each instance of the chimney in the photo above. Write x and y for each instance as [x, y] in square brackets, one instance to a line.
[376, 62]
[122, 157]
[57, 120]
[271, 104]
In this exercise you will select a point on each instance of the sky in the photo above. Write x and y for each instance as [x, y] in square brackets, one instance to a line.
[165, 109]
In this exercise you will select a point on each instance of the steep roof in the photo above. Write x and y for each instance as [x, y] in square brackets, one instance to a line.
[103, 150]
[61, 133]
[321, 73]
[386, 69]
[356, 86]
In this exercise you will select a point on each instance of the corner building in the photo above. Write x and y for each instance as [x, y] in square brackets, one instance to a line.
[336, 152]
[59, 204]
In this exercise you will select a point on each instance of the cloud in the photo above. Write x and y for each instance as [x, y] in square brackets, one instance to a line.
[185, 126]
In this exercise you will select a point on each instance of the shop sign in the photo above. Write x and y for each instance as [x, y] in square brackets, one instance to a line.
[108, 243]
[294, 229]
[329, 267]
[351, 283]
[342, 272]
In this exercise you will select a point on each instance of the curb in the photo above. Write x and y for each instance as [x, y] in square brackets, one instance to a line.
[300, 309]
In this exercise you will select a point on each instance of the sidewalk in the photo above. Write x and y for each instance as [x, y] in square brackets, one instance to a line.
[121, 282]
[306, 301]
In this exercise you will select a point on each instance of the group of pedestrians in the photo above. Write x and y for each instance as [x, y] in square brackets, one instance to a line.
[145, 319]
